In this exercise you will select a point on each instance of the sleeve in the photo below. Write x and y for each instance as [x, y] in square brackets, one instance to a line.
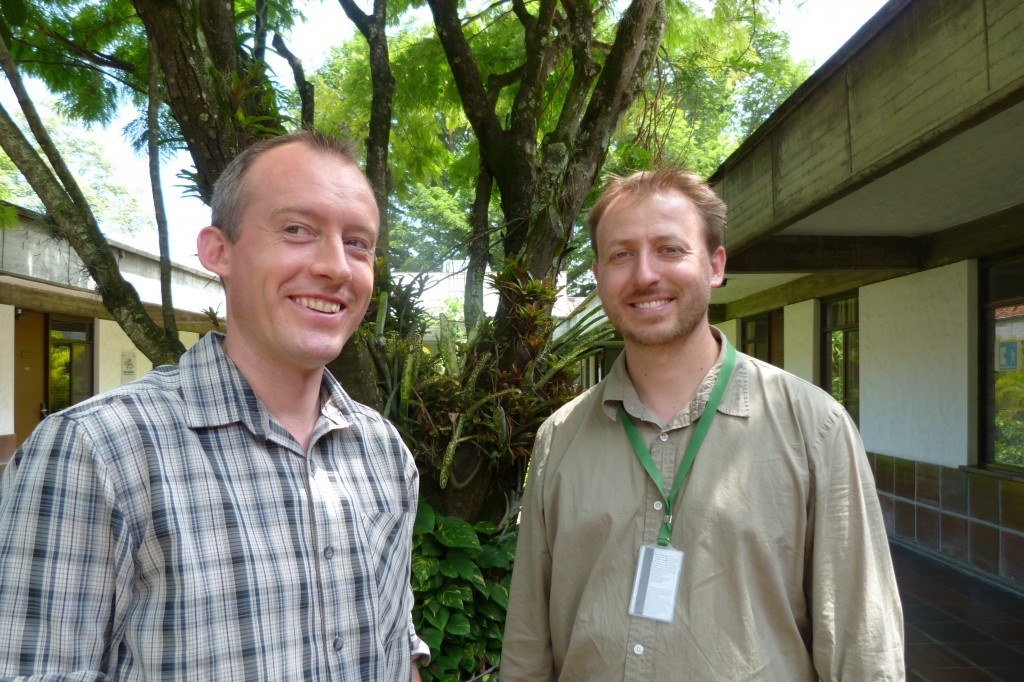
[526, 653]
[856, 618]
[418, 649]
[65, 559]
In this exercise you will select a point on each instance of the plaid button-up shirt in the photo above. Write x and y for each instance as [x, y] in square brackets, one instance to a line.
[172, 529]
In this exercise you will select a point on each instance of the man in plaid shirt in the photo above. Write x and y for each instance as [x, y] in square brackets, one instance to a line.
[237, 516]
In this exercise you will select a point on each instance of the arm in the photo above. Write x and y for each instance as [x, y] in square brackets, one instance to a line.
[64, 552]
[856, 619]
[418, 649]
[526, 650]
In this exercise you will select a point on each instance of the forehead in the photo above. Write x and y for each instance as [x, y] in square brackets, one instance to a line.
[665, 208]
[309, 180]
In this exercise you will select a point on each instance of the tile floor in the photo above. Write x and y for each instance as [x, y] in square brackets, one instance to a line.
[958, 627]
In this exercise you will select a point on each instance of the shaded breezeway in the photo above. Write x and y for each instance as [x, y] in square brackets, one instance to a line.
[958, 627]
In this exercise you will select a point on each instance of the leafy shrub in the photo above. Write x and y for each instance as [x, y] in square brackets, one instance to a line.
[460, 581]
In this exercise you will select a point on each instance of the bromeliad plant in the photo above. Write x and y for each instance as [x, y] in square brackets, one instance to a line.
[469, 411]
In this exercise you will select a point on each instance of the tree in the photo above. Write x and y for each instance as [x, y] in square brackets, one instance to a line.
[92, 54]
[500, 120]
[70, 210]
[112, 202]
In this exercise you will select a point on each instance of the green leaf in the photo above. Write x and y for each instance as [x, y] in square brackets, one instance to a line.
[438, 619]
[451, 596]
[499, 593]
[492, 557]
[424, 519]
[454, 532]
[423, 567]
[490, 610]
[448, 569]
[485, 528]
[458, 624]
[432, 637]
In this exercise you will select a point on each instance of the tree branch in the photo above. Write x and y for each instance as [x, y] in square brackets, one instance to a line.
[90, 55]
[302, 86]
[69, 210]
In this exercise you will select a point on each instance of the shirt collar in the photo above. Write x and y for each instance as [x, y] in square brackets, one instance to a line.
[735, 401]
[216, 393]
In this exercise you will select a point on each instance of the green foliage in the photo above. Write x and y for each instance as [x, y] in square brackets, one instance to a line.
[1009, 418]
[1009, 441]
[114, 206]
[482, 397]
[460, 582]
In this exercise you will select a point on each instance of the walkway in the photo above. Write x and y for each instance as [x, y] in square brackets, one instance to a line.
[958, 627]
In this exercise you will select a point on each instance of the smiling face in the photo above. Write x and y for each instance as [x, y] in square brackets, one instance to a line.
[654, 273]
[299, 277]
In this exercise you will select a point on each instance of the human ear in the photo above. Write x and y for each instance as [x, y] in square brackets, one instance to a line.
[718, 267]
[214, 250]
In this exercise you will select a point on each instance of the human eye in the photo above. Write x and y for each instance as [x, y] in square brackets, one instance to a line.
[359, 244]
[296, 230]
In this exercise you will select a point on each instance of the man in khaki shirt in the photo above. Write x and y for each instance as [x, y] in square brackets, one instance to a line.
[773, 564]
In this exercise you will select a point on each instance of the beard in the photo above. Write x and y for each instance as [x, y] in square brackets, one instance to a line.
[691, 317]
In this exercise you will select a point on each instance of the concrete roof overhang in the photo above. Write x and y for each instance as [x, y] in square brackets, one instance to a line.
[905, 151]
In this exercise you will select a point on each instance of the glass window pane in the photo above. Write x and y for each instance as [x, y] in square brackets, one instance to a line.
[1006, 386]
[835, 378]
[81, 372]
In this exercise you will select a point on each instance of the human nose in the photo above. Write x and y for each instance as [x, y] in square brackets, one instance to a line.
[646, 272]
[330, 260]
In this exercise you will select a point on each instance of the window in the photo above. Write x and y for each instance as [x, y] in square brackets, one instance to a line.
[70, 347]
[761, 336]
[596, 367]
[1003, 319]
[840, 350]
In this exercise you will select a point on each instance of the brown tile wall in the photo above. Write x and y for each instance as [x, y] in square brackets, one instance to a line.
[969, 516]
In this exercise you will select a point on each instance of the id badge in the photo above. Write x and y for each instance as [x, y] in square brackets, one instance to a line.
[657, 580]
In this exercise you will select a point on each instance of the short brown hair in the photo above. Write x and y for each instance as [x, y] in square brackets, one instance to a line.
[645, 183]
[228, 191]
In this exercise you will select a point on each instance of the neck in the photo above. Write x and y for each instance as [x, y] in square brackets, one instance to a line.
[290, 394]
[666, 378]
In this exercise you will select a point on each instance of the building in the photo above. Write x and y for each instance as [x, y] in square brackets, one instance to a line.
[876, 248]
[58, 344]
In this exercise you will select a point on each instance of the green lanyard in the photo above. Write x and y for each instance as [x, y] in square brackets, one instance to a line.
[703, 424]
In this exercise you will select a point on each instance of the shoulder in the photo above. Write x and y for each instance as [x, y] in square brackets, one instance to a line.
[575, 412]
[557, 432]
[140, 399]
[768, 382]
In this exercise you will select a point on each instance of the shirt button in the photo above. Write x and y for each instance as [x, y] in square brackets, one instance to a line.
[663, 437]
[657, 506]
[638, 649]
[329, 552]
[337, 644]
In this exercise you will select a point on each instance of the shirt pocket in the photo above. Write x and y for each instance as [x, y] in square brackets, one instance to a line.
[389, 547]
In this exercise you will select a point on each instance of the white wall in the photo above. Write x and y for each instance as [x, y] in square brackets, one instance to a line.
[6, 369]
[113, 349]
[731, 329]
[802, 339]
[918, 365]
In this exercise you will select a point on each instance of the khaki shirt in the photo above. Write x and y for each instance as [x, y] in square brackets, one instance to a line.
[786, 573]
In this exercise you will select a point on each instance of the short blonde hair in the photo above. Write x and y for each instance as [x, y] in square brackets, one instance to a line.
[645, 183]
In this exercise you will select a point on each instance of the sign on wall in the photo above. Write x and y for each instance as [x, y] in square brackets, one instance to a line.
[128, 365]
[1008, 355]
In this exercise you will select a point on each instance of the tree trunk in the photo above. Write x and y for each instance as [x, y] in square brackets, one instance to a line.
[479, 248]
[373, 28]
[74, 220]
[152, 111]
